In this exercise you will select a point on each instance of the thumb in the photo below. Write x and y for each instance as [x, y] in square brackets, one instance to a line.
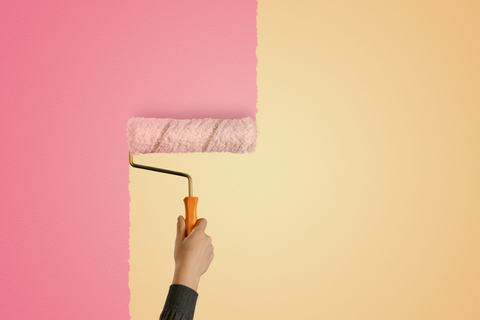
[181, 233]
[201, 224]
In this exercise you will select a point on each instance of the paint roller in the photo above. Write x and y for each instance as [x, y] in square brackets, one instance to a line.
[155, 135]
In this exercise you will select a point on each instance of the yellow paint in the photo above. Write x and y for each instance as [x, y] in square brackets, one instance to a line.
[362, 199]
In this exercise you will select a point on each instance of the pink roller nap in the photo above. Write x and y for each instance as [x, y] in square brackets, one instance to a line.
[154, 135]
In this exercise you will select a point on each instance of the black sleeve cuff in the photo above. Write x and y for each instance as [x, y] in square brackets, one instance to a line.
[180, 303]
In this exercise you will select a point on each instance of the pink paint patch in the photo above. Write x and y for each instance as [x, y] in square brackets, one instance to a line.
[73, 73]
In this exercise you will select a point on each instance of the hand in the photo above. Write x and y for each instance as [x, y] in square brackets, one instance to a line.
[193, 254]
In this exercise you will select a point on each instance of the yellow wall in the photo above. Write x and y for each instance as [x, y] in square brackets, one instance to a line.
[362, 199]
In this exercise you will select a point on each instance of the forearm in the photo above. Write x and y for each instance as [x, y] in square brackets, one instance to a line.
[186, 278]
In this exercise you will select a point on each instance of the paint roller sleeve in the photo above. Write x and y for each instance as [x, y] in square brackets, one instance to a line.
[156, 135]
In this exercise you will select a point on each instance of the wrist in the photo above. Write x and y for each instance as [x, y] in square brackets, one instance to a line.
[186, 278]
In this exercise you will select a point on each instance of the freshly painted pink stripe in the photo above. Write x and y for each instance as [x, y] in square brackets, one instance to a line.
[72, 74]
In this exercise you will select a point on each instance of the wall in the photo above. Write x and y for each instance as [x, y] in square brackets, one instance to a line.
[360, 202]
[367, 174]
[72, 74]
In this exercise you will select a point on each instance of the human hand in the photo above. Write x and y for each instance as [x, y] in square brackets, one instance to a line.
[193, 254]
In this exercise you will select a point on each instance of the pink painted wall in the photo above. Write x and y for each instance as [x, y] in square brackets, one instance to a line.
[72, 73]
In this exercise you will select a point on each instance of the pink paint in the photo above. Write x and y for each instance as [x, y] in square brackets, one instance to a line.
[72, 74]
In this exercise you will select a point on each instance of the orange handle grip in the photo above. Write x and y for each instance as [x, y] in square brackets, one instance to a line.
[190, 213]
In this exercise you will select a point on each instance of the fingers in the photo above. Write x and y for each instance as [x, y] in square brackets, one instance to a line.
[181, 233]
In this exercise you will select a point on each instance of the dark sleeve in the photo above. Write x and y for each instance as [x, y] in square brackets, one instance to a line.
[180, 303]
